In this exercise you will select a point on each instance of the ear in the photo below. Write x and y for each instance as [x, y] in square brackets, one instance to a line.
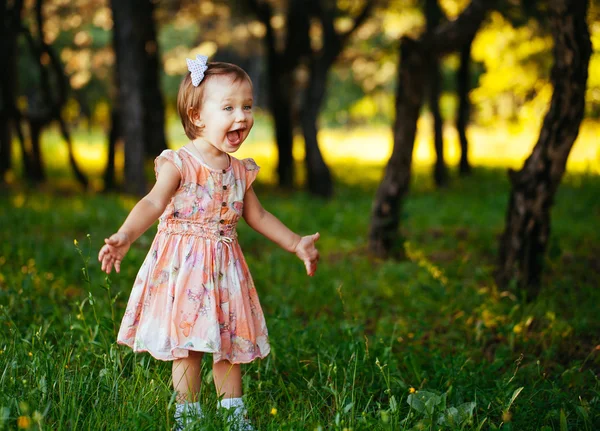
[194, 117]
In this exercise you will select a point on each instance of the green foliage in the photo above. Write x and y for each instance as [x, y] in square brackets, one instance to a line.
[427, 343]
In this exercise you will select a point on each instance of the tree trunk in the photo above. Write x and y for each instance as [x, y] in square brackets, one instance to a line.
[130, 55]
[5, 144]
[318, 175]
[37, 173]
[384, 232]
[79, 176]
[280, 69]
[280, 100]
[527, 231]
[433, 14]
[464, 107]
[154, 106]
[10, 18]
[445, 38]
[440, 172]
[110, 182]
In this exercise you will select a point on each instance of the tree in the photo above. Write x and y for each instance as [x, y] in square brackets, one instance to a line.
[11, 21]
[319, 65]
[464, 106]
[137, 87]
[409, 95]
[43, 105]
[524, 241]
[281, 65]
[280, 68]
[154, 106]
[144, 83]
[433, 15]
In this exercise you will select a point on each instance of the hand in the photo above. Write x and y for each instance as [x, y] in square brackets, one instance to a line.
[306, 250]
[113, 251]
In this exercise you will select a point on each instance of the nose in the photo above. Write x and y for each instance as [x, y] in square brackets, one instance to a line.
[240, 116]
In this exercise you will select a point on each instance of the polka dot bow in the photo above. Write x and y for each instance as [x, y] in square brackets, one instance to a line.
[197, 67]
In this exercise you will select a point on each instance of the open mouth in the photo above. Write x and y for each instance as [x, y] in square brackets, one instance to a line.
[235, 137]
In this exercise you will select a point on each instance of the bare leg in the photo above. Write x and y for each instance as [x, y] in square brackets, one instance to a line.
[228, 379]
[186, 377]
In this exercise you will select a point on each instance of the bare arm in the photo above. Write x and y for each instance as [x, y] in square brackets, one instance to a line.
[272, 228]
[141, 217]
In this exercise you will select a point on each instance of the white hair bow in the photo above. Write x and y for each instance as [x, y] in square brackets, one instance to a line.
[197, 67]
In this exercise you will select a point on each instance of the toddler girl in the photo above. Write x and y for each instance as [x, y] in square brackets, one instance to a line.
[194, 293]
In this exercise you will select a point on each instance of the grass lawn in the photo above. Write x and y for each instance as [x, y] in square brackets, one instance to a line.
[425, 344]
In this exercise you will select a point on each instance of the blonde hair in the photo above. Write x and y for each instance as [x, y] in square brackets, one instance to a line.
[193, 97]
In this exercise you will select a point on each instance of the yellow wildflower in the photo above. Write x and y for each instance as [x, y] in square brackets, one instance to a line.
[75, 242]
[30, 354]
[273, 411]
[23, 422]
[412, 390]
[37, 416]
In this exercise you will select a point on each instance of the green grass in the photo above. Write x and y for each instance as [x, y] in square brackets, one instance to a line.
[347, 345]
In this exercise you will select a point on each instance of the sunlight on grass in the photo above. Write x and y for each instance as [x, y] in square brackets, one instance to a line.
[504, 146]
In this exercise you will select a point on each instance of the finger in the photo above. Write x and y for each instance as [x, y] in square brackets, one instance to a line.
[310, 267]
[316, 237]
[114, 240]
[103, 252]
[118, 265]
[107, 264]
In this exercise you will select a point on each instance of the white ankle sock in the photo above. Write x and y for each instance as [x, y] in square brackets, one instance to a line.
[186, 413]
[238, 415]
[234, 404]
[228, 403]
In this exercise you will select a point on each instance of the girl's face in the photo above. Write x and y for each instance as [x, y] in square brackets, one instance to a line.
[226, 113]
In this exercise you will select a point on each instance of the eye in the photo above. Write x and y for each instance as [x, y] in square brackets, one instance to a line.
[248, 107]
[228, 108]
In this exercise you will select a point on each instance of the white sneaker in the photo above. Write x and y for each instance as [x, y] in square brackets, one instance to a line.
[239, 423]
[236, 414]
[186, 414]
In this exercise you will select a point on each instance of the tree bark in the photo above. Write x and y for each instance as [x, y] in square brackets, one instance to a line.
[280, 67]
[154, 106]
[130, 56]
[318, 175]
[56, 103]
[319, 178]
[37, 173]
[44, 106]
[10, 18]
[464, 106]
[434, 14]
[280, 103]
[110, 182]
[527, 230]
[383, 235]
[447, 37]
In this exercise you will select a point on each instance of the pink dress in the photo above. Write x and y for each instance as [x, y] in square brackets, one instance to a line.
[194, 290]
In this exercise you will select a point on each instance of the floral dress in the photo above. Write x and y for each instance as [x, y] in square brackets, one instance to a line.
[194, 290]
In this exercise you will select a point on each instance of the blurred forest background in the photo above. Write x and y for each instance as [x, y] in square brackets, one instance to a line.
[487, 307]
